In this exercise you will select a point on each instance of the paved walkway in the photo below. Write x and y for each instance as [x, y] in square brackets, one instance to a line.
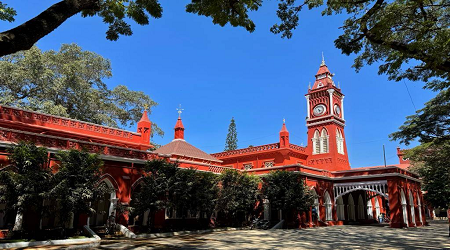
[337, 237]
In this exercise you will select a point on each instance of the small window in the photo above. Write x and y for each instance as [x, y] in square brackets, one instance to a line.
[248, 166]
[268, 164]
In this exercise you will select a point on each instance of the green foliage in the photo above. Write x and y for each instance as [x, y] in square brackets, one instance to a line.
[226, 11]
[238, 193]
[154, 187]
[166, 186]
[75, 184]
[6, 13]
[431, 162]
[286, 191]
[116, 12]
[69, 83]
[231, 141]
[26, 181]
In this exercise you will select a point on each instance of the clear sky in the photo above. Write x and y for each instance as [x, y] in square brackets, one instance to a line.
[258, 78]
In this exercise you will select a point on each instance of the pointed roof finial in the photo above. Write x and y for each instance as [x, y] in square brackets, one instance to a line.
[323, 60]
[309, 85]
[179, 110]
[284, 120]
[145, 107]
[339, 85]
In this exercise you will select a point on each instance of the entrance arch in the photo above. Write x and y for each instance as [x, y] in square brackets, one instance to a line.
[377, 208]
[104, 206]
[351, 208]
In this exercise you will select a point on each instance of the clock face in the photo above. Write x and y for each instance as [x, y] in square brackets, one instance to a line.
[319, 109]
[337, 109]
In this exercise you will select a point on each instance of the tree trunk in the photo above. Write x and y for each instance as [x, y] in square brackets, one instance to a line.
[19, 221]
[24, 36]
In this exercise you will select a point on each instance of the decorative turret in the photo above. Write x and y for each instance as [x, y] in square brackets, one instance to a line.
[144, 127]
[179, 128]
[284, 136]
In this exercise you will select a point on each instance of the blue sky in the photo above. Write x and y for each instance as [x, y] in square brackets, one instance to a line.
[258, 78]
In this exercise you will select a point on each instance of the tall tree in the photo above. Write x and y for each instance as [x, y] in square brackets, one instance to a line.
[431, 162]
[286, 191]
[69, 83]
[24, 183]
[231, 141]
[75, 185]
[238, 193]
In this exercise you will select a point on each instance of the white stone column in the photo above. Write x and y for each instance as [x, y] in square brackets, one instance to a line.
[342, 107]
[330, 91]
[307, 107]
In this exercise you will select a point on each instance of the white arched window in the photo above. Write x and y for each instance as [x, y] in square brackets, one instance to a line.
[339, 142]
[328, 212]
[369, 209]
[351, 208]
[340, 208]
[419, 204]
[411, 205]
[316, 142]
[404, 209]
[324, 141]
[360, 208]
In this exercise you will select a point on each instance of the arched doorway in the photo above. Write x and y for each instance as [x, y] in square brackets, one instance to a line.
[328, 204]
[351, 208]
[104, 206]
[377, 208]
[404, 209]
[411, 205]
[316, 206]
[369, 209]
[419, 206]
[340, 208]
[361, 208]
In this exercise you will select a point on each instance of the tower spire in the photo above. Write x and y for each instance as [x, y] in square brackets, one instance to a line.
[179, 127]
[284, 136]
[323, 60]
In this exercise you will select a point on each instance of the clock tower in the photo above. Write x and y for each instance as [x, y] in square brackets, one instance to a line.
[325, 121]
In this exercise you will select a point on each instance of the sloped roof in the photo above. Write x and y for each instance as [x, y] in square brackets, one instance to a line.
[182, 148]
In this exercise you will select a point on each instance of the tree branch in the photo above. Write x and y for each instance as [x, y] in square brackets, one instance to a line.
[395, 45]
[24, 36]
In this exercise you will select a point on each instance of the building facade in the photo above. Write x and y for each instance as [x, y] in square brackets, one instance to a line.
[345, 195]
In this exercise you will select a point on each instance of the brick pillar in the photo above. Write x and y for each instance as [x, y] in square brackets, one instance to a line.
[395, 206]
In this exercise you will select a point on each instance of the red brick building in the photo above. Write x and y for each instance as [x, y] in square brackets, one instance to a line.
[345, 195]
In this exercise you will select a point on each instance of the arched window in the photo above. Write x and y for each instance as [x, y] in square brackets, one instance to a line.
[324, 141]
[316, 143]
[411, 205]
[339, 142]
[328, 212]
[340, 208]
[369, 209]
[360, 208]
[419, 205]
[404, 209]
[351, 208]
